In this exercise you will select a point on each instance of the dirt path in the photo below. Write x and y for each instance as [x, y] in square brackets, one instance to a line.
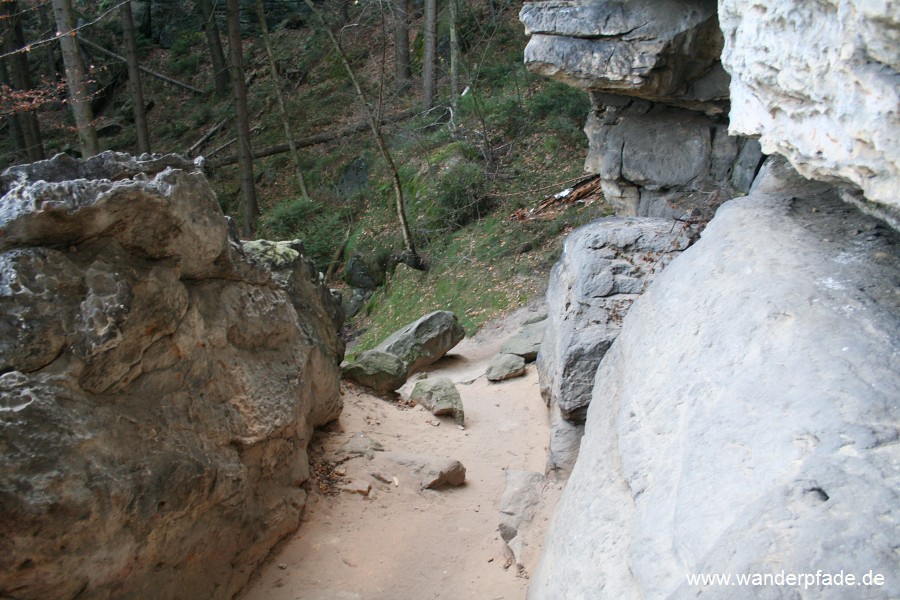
[403, 543]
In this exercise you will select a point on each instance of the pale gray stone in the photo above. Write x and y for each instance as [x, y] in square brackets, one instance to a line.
[505, 366]
[425, 341]
[746, 418]
[380, 371]
[817, 83]
[527, 342]
[605, 265]
[435, 472]
[518, 505]
[440, 396]
[662, 50]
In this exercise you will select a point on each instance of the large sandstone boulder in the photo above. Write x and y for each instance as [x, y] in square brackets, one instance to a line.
[440, 396]
[604, 267]
[817, 83]
[158, 387]
[377, 370]
[425, 341]
[745, 419]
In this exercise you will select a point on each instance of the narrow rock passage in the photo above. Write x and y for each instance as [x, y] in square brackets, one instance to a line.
[404, 543]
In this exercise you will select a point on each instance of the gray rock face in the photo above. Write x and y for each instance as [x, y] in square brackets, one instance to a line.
[604, 267]
[661, 161]
[435, 472]
[527, 342]
[763, 436]
[380, 371]
[440, 396]
[657, 132]
[518, 506]
[661, 50]
[425, 341]
[158, 388]
[505, 366]
[818, 84]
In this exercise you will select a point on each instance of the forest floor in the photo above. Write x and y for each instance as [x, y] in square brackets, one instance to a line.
[403, 543]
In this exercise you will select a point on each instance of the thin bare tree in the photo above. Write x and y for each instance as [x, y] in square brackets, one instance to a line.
[245, 152]
[279, 95]
[410, 256]
[402, 72]
[214, 43]
[429, 56]
[20, 76]
[79, 98]
[134, 78]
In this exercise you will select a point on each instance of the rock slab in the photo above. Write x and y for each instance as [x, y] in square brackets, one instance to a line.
[505, 366]
[425, 341]
[159, 385]
[435, 472]
[763, 437]
[440, 396]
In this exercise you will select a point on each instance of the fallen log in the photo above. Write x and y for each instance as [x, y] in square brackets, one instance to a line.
[165, 78]
[313, 140]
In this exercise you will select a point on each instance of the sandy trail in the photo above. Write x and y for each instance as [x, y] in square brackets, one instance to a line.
[403, 543]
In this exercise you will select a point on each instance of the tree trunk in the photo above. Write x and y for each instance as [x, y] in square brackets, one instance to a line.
[245, 152]
[134, 79]
[276, 80]
[12, 119]
[217, 56]
[20, 77]
[454, 56]
[411, 256]
[79, 98]
[429, 66]
[44, 16]
[402, 72]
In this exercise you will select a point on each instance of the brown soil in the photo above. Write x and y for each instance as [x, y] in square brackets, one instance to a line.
[401, 542]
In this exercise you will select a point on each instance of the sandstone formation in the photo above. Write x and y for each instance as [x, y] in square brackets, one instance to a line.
[817, 83]
[159, 385]
[377, 370]
[605, 266]
[505, 366]
[425, 341]
[440, 396]
[406, 351]
[658, 135]
[527, 342]
[434, 472]
[518, 506]
[763, 437]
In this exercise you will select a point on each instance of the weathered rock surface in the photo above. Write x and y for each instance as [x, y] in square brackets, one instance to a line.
[440, 396]
[605, 266]
[435, 472]
[158, 388]
[660, 161]
[505, 366]
[380, 371]
[657, 130]
[518, 506]
[425, 341]
[746, 418]
[661, 50]
[527, 342]
[817, 83]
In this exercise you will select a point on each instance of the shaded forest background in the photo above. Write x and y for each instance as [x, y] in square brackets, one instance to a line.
[477, 163]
